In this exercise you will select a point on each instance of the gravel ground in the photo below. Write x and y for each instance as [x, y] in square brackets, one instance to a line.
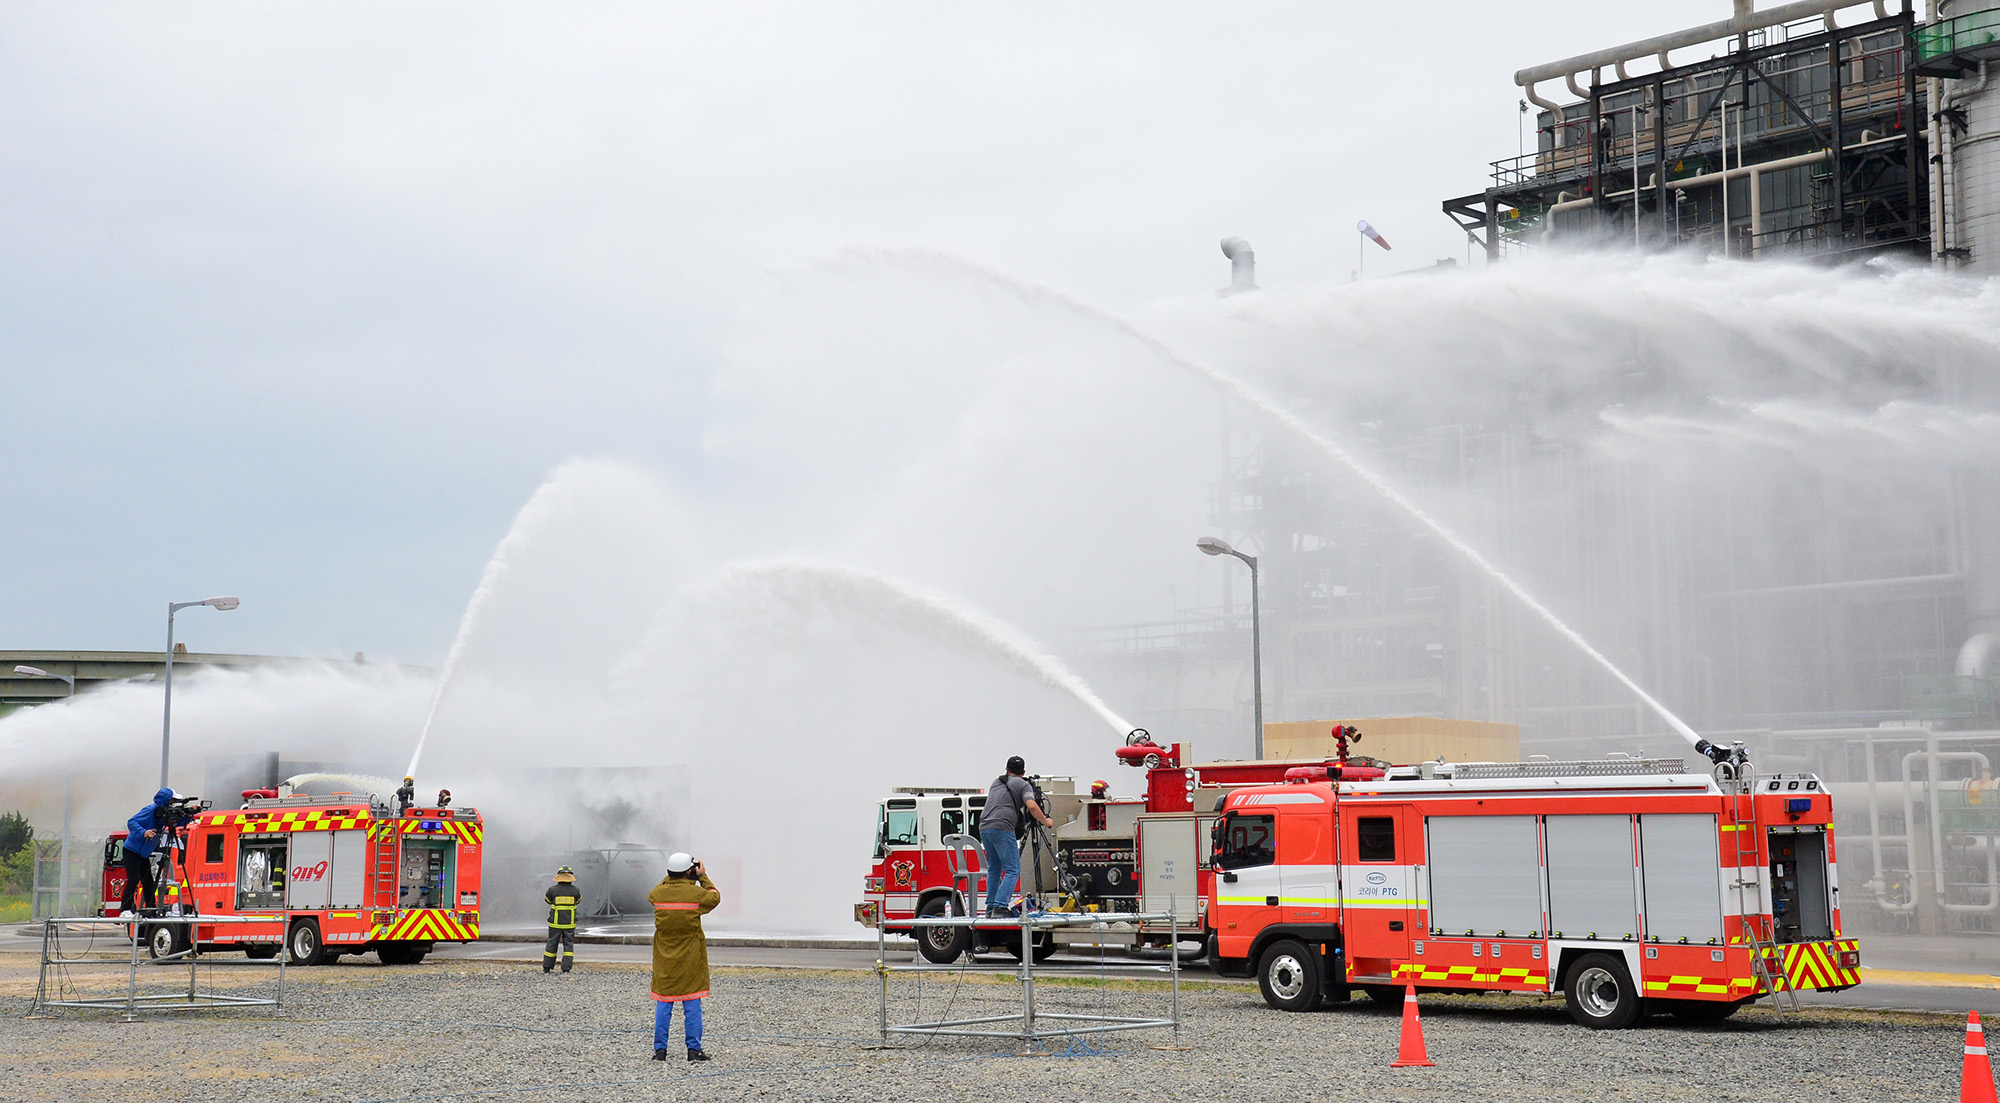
[470, 1030]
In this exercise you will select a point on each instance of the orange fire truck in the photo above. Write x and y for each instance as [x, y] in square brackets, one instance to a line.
[1628, 885]
[332, 875]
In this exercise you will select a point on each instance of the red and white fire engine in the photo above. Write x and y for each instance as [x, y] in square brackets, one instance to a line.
[331, 875]
[1114, 854]
[1628, 885]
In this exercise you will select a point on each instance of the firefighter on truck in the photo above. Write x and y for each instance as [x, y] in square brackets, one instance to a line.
[1627, 885]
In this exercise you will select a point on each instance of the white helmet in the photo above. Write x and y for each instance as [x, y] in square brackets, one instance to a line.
[679, 862]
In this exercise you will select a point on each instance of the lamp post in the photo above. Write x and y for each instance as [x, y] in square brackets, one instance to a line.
[63, 860]
[62, 867]
[1209, 545]
[167, 717]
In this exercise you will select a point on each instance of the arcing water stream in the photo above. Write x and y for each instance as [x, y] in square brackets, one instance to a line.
[1236, 388]
[851, 592]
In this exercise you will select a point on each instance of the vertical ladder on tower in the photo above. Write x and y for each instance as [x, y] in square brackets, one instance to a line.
[1749, 899]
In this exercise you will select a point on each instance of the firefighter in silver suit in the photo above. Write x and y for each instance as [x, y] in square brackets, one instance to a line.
[563, 898]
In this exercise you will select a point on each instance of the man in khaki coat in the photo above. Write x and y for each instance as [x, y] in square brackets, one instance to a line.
[680, 951]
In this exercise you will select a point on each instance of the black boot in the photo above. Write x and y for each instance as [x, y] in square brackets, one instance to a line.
[697, 1055]
[659, 1055]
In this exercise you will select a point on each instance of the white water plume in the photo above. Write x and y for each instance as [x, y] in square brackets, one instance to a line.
[370, 784]
[586, 557]
[1033, 293]
[795, 589]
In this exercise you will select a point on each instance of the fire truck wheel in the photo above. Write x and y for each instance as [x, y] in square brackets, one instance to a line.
[1600, 993]
[165, 940]
[304, 945]
[941, 945]
[1288, 974]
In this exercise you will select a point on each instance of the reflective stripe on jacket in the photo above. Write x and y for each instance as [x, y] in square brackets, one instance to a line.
[563, 898]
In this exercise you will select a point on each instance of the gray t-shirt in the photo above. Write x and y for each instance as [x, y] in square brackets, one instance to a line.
[1003, 797]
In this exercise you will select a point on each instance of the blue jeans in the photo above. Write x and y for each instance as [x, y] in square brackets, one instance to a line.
[1003, 866]
[663, 1016]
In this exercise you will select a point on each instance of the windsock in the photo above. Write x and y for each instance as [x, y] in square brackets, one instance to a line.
[1373, 235]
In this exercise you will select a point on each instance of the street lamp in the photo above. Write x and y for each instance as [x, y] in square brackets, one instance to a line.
[38, 672]
[1209, 545]
[62, 867]
[167, 718]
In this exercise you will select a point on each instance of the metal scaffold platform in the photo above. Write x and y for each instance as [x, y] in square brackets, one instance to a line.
[128, 939]
[1029, 1026]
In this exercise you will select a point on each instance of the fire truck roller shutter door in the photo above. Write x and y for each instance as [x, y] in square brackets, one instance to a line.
[348, 879]
[1593, 887]
[1167, 847]
[1485, 875]
[1683, 878]
[311, 860]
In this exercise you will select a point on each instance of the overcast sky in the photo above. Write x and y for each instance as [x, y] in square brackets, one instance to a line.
[303, 302]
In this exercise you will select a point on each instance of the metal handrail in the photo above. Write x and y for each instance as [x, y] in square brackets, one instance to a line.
[1958, 35]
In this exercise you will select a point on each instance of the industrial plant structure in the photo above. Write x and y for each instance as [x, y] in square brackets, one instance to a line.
[1820, 128]
[1836, 613]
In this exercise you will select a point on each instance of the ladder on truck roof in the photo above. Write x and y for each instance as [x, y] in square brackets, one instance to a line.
[1749, 896]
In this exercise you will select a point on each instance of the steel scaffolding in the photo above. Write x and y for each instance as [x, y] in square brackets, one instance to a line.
[1028, 1026]
[136, 932]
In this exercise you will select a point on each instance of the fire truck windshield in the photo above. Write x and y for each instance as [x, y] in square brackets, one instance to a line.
[896, 827]
[1246, 841]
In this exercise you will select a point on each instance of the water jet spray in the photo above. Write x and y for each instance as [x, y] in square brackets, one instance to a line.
[1033, 293]
[901, 603]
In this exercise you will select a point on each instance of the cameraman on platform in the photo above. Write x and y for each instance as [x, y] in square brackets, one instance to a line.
[1010, 800]
[144, 833]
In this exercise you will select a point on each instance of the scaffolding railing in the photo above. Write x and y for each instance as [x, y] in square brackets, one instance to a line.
[1028, 1026]
[56, 988]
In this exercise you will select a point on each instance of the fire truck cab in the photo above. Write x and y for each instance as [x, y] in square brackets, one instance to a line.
[1090, 865]
[331, 875]
[1145, 854]
[1628, 885]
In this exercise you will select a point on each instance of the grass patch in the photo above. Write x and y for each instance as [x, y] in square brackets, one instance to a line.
[16, 907]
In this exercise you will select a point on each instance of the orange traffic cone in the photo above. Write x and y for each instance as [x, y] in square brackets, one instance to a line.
[1410, 1052]
[1975, 1084]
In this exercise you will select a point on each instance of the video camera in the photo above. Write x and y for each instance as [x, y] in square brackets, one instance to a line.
[182, 809]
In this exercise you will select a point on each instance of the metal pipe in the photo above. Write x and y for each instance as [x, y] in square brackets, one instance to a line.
[1242, 265]
[1933, 760]
[1876, 886]
[167, 710]
[62, 878]
[1743, 21]
[1174, 951]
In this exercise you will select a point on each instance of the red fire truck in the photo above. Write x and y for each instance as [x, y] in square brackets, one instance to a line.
[1113, 854]
[1628, 885]
[332, 875]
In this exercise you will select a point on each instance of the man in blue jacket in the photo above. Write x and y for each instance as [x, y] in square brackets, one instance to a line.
[144, 833]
